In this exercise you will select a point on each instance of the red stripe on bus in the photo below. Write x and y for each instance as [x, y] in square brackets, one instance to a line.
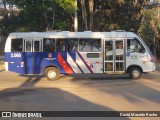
[64, 65]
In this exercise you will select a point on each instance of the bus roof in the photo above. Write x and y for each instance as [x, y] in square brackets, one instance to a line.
[67, 34]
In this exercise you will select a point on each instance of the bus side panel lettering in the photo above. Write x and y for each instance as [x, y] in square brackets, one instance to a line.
[15, 61]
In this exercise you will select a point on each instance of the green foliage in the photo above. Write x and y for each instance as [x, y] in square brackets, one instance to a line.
[147, 28]
[37, 15]
[119, 14]
[147, 34]
[68, 5]
[59, 25]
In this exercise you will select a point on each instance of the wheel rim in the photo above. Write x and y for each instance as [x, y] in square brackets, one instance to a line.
[52, 74]
[136, 73]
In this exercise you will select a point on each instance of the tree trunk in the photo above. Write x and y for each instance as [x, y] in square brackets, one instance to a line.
[47, 26]
[53, 16]
[154, 46]
[91, 4]
[5, 8]
[84, 14]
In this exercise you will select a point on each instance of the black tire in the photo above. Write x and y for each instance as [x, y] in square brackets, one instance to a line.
[52, 73]
[135, 73]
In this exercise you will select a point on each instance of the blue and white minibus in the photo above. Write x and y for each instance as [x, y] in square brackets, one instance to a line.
[56, 53]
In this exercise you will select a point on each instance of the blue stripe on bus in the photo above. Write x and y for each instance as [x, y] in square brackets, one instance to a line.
[36, 62]
[85, 62]
[73, 55]
[80, 68]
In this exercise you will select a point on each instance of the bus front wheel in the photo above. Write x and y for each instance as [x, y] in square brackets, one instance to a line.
[135, 73]
[52, 73]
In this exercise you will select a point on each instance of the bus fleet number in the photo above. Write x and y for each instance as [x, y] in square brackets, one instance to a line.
[15, 55]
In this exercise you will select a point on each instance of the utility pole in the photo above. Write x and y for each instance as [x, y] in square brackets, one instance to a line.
[75, 19]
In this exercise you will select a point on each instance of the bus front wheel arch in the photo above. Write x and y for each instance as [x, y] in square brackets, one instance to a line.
[52, 73]
[135, 72]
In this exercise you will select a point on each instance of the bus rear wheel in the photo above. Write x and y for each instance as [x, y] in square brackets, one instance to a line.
[135, 73]
[52, 73]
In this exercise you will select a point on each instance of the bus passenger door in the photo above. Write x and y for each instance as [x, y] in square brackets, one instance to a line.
[114, 56]
[32, 49]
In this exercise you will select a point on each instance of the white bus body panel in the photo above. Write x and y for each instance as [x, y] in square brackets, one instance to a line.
[152, 66]
[8, 47]
[140, 59]
[96, 64]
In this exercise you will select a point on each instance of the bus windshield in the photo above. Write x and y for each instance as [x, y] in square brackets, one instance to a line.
[150, 52]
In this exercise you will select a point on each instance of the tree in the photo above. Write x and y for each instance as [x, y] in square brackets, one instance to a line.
[91, 13]
[149, 29]
[41, 15]
[5, 8]
[84, 14]
[118, 14]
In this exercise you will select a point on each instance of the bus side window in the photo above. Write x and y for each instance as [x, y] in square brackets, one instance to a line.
[61, 44]
[66, 45]
[48, 45]
[133, 45]
[72, 44]
[90, 45]
[16, 45]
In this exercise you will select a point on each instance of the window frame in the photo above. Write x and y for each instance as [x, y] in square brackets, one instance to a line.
[15, 39]
[136, 50]
[49, 39]
[67, 39]
[100, 41]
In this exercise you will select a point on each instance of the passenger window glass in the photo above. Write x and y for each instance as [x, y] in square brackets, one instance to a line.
[109, 50]
[90, 45]
[17, 45]
[48, 45]
[119, 44]
[67, 44]
[36, 46]
[28, 45]
[119, 50]
[133, 45]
